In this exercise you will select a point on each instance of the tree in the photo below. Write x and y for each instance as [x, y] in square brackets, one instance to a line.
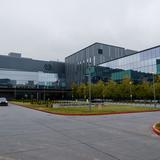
[125, 88]
[144, 91]
[157, 87]
[75, 90]
[82, 91]
[99, 89]
[111, 90]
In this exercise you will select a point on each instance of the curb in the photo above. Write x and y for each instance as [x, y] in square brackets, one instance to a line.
[155, 130]
[92, 114]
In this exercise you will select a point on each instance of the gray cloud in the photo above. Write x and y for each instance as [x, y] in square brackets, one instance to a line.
[54, 29]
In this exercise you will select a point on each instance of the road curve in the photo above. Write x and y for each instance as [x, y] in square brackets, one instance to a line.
[27, 134]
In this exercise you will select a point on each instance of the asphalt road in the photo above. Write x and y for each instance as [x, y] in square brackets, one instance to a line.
[26, 134]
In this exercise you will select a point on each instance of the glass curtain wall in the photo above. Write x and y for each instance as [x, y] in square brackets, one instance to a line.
[16, 78]
[137, 67]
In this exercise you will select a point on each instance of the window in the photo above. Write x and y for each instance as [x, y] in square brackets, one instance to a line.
[90, 59]
[100, 51]
[94, 61]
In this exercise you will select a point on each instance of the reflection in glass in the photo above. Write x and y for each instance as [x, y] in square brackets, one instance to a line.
[141, 64]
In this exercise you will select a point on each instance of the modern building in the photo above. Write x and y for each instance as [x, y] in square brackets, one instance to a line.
[101, 61]
[17, 71]
[76, 65]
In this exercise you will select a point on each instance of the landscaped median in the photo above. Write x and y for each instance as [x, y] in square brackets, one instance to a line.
[80, 111]
[156, 128]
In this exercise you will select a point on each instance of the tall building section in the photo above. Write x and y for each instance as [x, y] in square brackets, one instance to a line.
[76, 64]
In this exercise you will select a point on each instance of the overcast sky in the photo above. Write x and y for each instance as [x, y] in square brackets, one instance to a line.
[54, 29]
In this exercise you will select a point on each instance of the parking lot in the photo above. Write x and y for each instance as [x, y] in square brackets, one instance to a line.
[27, 134]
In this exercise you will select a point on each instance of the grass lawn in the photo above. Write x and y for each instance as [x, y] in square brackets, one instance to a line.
[158, 126]
[108, 109]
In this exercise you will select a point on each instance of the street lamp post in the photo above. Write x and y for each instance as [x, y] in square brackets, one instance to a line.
[130, 85]
[89, 79]
[72, 93]
[15, 92]
[44, 94]
[37, 92]
[154, 91]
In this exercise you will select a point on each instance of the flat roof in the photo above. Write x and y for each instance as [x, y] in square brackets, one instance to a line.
[26, 58]
[93, 45]
[131, 54]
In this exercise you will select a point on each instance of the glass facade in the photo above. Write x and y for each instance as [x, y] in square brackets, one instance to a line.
[24, 78]
[137, 67]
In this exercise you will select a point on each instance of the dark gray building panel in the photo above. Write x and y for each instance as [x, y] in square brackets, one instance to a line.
[27, 64]
[13, 54]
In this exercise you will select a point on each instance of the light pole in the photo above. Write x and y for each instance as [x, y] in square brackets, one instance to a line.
[154, 91]
[44, 94]
[130, 85]
[37, 92]
[72, 93]
[89, 83]
[31, 98]
[15, 92]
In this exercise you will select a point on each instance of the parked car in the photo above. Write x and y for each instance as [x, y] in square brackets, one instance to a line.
[3, 101]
